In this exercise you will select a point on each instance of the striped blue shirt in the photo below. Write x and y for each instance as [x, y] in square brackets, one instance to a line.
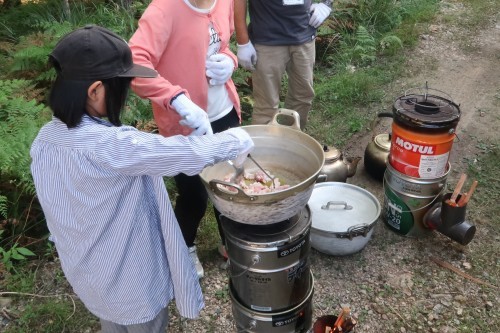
[110, 217]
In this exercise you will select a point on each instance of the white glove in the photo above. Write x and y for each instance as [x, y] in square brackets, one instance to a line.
[247, 56]
[246, 144]
[219, 68]
[319, 13]
[192, 115]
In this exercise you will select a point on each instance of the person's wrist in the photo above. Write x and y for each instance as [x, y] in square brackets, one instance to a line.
[243, 46]
[175, 97]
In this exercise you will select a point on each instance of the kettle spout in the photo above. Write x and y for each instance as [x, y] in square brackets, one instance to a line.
[352, 165]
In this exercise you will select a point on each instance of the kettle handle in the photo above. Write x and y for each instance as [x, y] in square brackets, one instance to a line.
[376, 120]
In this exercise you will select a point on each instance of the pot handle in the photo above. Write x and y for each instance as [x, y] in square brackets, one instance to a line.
[336, 203]
[322, 177]
[287, 113]
[355, 230]
[218, 187]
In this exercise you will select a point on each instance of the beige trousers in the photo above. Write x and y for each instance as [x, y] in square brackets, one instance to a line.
[297, 61]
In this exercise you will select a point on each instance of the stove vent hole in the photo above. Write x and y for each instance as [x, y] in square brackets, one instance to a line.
[426, 108]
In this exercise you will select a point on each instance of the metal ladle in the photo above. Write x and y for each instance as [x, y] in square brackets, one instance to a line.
[238, 173]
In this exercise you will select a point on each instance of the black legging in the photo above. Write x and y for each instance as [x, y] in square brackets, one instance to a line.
[191, 202]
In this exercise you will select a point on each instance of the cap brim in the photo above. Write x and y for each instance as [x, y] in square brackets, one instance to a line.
[139, 71]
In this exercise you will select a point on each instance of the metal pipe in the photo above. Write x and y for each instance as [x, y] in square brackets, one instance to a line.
[450, 221]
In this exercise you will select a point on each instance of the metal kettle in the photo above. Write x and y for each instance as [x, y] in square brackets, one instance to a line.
[337, 168]
[377, 151]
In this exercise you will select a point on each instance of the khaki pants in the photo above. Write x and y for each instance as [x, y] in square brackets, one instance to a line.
[272, 63]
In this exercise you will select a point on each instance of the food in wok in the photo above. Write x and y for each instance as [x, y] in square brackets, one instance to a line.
[256, 182]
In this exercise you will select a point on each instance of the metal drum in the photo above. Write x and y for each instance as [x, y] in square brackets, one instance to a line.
[269, 264]
[423, 132]
[407, 200]
[297, 319]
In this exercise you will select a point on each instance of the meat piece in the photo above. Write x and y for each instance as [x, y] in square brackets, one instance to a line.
[256, 183]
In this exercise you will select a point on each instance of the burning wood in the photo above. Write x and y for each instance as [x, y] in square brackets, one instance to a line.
[452, 200]
[464, 197]
[344, 323]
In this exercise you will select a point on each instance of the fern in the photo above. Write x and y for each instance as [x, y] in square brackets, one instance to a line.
[29, 59]
[20, 121]
[3, 206]
[364, 51]
[390, 44]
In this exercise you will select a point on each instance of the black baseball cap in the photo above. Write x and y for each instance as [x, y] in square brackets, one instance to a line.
[96, 53]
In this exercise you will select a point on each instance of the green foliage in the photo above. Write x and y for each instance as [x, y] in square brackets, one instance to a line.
[107, 14]
[23, 281]
[43, 15]
[489, 194]
[390, 44]
[3, 206]
[57, 315]
[20, 120]
[379, 16]
[414, 14]
[349, 88]
[364, 50]
[137, 110]
[29, 58]
[15, 252]
[360, 31]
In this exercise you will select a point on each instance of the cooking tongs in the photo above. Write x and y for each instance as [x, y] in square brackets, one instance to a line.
[239, 171]
[263, 170]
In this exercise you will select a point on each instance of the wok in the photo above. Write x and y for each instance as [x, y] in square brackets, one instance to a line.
[284, 150]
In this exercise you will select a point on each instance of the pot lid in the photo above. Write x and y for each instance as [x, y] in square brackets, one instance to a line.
[331, 153]
[383, 141]
[337, 207]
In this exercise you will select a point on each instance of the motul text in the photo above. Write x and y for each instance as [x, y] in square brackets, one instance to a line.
[416, 148]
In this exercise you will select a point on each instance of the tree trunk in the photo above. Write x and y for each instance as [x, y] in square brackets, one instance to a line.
[10, 4]
[66, 10]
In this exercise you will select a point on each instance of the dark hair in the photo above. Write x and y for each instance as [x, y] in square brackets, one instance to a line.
[68, 99]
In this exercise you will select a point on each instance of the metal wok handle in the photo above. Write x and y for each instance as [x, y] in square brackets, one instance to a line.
[288, 113]
[227, 194]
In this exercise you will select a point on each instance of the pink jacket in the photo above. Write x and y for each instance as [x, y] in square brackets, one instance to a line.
[173, 39]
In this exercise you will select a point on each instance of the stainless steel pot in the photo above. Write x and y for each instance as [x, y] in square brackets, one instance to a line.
[269, 264]
[285, 151]
[292, 320]
[343, 217]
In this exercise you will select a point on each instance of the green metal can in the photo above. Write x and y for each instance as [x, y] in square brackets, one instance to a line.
[407, 199]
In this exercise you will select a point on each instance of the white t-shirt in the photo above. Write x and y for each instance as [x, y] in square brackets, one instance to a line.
[219, 104]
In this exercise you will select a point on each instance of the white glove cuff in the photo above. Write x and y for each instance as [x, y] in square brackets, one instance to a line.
[243, 46]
